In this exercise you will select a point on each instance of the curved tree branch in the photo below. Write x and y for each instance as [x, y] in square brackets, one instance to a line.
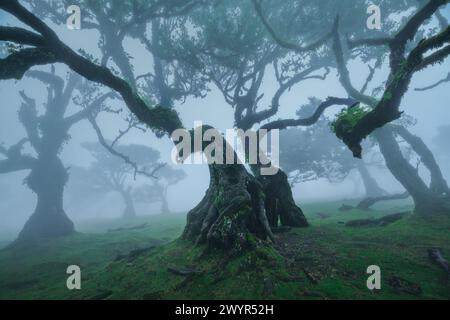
[21, 36]
[387, 109]
[331, 101]
[90, 109]
[286, 44]
[158, 118]
[447, 79]
[125, 158]
[15, 160]
[352, 44]
[16, 64]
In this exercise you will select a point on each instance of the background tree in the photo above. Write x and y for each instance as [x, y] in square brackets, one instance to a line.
[47, 131]
[110, 173]
[157, 191]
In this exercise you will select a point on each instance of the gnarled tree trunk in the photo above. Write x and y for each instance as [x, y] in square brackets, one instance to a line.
[232, 212]
[240, 207]
[47, 179]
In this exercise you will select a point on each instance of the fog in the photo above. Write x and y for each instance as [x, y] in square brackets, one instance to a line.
[17, 202]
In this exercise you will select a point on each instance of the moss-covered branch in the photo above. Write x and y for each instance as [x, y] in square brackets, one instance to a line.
[331, 101]
[387, 109]
[159, 119]
[16, 64]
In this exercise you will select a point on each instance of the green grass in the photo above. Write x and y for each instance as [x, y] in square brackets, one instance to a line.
[325, 261]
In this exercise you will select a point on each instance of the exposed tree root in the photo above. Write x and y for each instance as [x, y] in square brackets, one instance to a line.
[232, 213]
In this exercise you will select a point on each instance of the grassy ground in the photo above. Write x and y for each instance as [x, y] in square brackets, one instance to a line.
[325, 261]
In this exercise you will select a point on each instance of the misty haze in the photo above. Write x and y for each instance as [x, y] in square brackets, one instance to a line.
[357, 91]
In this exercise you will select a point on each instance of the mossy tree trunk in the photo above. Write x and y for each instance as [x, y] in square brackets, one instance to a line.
[238, 209]
[232, 213]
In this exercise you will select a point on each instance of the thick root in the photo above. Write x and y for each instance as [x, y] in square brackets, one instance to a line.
[232, 213]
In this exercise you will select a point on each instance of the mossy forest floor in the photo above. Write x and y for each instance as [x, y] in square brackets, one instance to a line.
[328, 260]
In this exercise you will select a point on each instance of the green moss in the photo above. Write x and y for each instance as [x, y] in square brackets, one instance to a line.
[338, 256]
[346, 120]
[387, 96]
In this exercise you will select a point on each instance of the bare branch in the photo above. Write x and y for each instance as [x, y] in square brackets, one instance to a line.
[369, 79]
[90, 109]
[447, 79]
[286, 44]
[331, 101]
[352, 44]
[133, 123]
[125, 158]
[15, 160]
[344, 74]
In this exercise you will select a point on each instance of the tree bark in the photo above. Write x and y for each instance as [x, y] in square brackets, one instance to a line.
[231, 215]
[279, 203]
[47, 179]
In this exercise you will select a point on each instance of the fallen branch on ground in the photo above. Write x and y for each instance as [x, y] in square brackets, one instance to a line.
[184, 273]
[366, 203]
[141, 226]
[381, 222]
[436, 256]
